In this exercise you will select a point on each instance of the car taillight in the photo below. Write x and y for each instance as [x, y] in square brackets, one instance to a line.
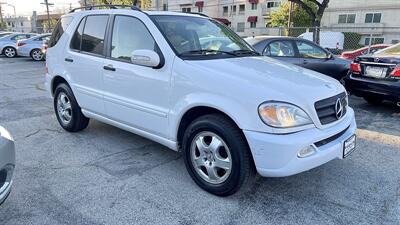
[396, 72]
[19, 44]
[355, 68]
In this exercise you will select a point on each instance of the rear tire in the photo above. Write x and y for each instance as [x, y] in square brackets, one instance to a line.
[36, 54]
[220, 170]
[67, 110]
[373, 100]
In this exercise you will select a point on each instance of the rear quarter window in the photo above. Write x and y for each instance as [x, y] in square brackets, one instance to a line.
[61, 26]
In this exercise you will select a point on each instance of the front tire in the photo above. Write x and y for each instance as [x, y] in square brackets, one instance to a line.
[10, 52]
[217, 155]
[67, 110]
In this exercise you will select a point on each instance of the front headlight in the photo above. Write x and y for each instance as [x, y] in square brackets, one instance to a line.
[283, 115]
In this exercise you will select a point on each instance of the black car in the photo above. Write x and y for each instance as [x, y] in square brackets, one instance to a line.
[303, 53]
[376, 77]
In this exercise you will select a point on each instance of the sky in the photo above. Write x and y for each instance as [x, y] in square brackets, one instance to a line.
[25, 7]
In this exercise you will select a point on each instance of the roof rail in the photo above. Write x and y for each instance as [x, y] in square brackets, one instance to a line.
[111, 6]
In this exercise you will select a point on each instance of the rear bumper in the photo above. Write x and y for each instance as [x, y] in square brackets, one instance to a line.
[389, 90]
[277, 155]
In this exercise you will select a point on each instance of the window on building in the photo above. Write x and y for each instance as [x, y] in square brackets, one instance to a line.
[200, 9]
[347, 18]
[186, 9]
[225, 11]
[242, 8]
[22, 24]
[240, 27]
[373, 17]
[253, 6]
[253, 24]
[374, 40]
[165, 7]
[273, 4]
[234, 10]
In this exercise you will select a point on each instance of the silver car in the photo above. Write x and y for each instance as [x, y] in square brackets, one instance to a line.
[8, 44]
[2, 34]
[32, 47]
[7, 163]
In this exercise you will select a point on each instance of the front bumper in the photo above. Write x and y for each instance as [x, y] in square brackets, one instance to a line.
[7, 163]
[276, 155]
[389, 90]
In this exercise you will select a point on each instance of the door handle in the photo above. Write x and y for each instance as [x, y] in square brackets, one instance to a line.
[109, 67]
[69, 60]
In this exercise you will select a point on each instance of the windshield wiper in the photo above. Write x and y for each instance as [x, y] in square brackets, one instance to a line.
[205, 51]
[245, 52]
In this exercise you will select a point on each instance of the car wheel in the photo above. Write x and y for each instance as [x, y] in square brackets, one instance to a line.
[67, 110]
[10, 52]
[217, 155]
[373, 100]
[36, 55]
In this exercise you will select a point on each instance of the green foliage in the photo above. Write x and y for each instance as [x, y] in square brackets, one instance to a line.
[280, 18]
[3, 26]
[352, 40]
[53, 23]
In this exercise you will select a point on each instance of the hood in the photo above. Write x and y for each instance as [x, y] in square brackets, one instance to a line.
[268, 79]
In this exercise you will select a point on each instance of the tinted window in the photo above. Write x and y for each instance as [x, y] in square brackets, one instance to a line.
[129, 34]
[59, 30]
[93, 34]
[280, 49]
[77, 38]
[307, 50]
[19, 37]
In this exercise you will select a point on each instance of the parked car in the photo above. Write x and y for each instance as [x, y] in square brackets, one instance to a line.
[32, 47]
[2, 34]
[303, 53]
[351, 55]
[8, 44]
[376, 77]
[7, 163]
[229, 110]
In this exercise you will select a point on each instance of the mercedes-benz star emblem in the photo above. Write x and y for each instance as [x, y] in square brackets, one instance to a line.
[339, 109]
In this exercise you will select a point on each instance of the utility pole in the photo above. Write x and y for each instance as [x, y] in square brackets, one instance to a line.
[46, 2]
[290, 20]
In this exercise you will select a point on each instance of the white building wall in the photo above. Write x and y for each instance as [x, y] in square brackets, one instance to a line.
[387, 28]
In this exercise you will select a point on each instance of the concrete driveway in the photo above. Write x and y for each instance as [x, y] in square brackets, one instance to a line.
[105, 175]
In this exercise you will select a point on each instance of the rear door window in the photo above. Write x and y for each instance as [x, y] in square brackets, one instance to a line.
[77, 38]
[280, 49]
[61, 26]
[93, 34]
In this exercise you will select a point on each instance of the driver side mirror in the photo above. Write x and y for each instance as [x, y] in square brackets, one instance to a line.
[267, 51]
[330, 56]
[145, 57]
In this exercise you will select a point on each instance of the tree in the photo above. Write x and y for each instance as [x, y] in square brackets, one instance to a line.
[280, 18]
[3, 26]
[53, 23]
[314, 13]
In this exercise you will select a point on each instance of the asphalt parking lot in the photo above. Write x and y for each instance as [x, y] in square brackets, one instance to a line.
[105, 175]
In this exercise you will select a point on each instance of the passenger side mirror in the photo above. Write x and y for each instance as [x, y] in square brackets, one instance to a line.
[267, 51]
[329, 56]
[145, 57]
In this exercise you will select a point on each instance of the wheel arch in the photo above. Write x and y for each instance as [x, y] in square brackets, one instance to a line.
[56, 81]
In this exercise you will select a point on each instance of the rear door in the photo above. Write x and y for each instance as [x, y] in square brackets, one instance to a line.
[315, 58]
[84, 60]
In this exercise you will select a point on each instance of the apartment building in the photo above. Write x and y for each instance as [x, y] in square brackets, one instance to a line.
[377, 21]
[18, 24]
[246, 17]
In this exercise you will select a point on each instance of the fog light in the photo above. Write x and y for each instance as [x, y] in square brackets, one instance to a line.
[307, 151]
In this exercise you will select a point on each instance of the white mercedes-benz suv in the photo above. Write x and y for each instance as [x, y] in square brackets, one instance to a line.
[190, 83]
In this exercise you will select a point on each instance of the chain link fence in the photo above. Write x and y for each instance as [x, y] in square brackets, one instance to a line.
[340, 39]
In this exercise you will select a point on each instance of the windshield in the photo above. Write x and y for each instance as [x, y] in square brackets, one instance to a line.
[194, 36]
[392, 50]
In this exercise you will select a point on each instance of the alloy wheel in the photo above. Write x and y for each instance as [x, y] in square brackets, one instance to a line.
[211, 157]
[9, 52]
[37, 55]
[64, 108]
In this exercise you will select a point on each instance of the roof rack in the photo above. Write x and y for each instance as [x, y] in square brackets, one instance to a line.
[92, 7]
